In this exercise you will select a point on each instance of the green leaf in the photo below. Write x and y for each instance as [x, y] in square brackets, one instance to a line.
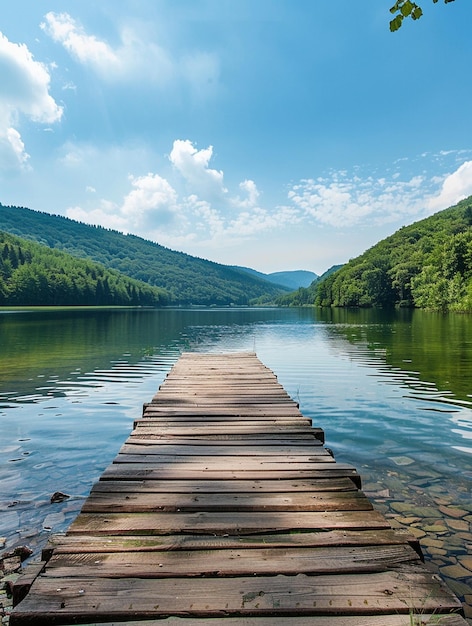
[407, 8]
[396, 23]
[417, 13]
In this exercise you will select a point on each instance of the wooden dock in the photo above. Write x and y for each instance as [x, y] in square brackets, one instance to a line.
[224, 504]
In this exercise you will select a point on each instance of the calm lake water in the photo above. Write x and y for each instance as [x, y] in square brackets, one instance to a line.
[392, 391]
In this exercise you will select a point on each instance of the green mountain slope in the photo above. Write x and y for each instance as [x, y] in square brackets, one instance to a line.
[33, 274]
[187, 279]
[426, 265]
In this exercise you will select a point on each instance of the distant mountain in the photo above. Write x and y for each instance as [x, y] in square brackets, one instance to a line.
[304, 296]
[185, 279]
[290, 279]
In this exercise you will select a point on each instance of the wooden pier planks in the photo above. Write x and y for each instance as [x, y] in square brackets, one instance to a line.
[224, 504]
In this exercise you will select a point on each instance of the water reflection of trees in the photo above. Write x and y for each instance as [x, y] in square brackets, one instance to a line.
[435, 347]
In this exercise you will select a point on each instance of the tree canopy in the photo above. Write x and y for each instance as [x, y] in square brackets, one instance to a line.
[406, 8]
[33, 274]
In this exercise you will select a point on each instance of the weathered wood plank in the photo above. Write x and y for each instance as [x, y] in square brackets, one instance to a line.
[230, 424]
[129, 502]
[230, 397]
[221, 522]
[220, 442]
[237, 385]
[393, 619]
[255, 562]
[146, 446]
[225, 412]
[55, 601]
[232, 384]
[84, 544]
[247, 440]
[224, 486]
[138, 471]
[220, 430]
[23, 585]
[245, 411]
[227, 463]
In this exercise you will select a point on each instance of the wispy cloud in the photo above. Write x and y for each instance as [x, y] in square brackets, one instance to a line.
[193, 207]
[136, 59]
[24, 92]
[62, 28]
[348, 200]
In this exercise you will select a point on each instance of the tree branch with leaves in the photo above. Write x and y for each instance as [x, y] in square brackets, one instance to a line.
[406, 8]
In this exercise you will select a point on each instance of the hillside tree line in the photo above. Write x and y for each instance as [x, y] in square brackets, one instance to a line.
[33, 274]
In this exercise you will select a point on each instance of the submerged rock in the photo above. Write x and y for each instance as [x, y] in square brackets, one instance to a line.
[402, 460]
[58, 496]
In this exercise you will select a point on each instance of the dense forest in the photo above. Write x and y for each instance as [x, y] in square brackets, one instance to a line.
[186, 279]
[33, 274]
[426, 265]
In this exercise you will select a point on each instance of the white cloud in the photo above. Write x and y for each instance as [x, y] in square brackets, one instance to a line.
[192, 164]
[252, 195]
[87, 49]
[12, 149]
[346, 201]
[137, 58]
[210, 223]
[455, 187]
[107, 215]
[192, 208]
[152, 201]
[150, 209]
[24, 91]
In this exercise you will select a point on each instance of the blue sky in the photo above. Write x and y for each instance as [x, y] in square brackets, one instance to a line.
[274, 134]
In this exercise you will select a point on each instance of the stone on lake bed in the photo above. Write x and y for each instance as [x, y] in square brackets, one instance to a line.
[434, 543]
[402, 460]
[419, 533]
[458, 524]
[437, 528]
[458, 587]
[455, 571]
[466, 561]
[411, 510]
[407, 521]
[453, 511]
[58, 496]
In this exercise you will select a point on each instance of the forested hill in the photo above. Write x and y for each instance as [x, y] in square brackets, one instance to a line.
[186, 279]
[33, 274]
[426, 265]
